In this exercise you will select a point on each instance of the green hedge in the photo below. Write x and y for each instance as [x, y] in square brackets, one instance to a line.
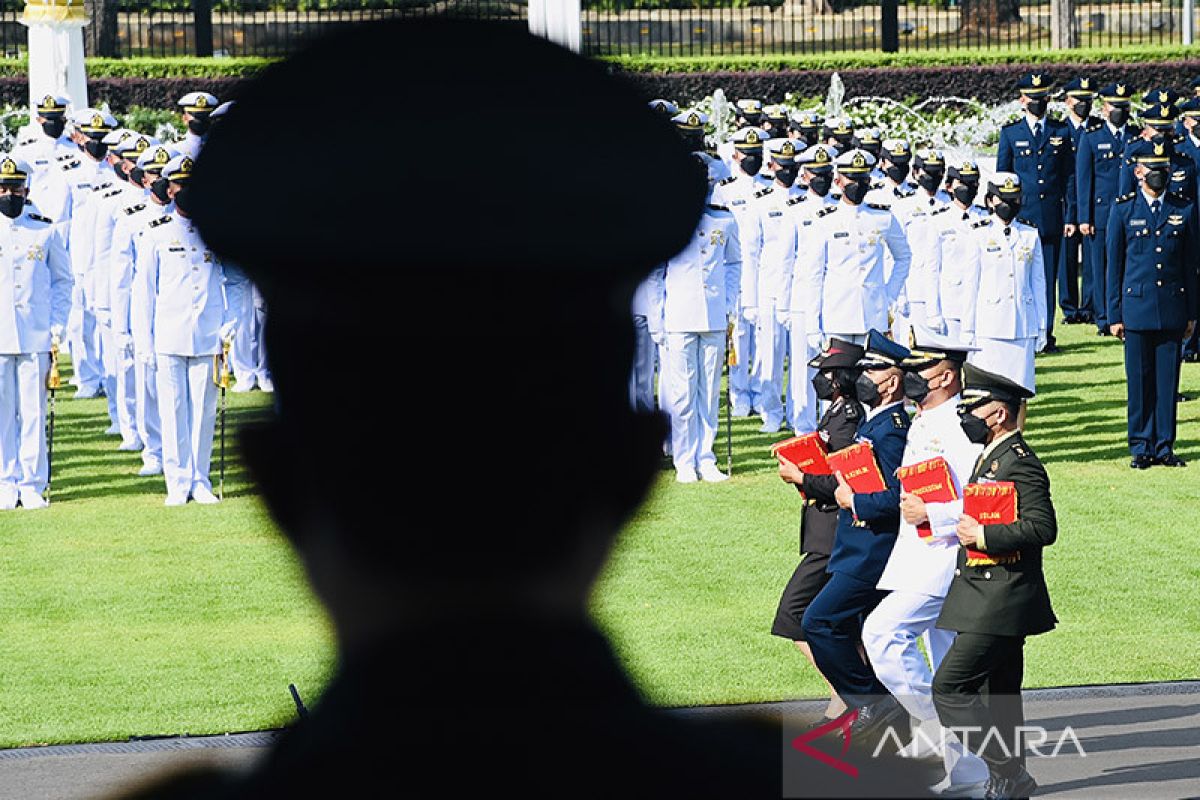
[154, 67]
[938, 58]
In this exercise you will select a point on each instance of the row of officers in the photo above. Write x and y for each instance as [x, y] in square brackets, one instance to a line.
[98, 257]
[805, 242]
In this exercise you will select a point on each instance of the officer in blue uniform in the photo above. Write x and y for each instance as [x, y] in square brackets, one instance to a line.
[1038, 149]
[1189, 145]
[1152, 298]
[1098, 159]
[866, 531]
[1159, 120]
[1075, 295]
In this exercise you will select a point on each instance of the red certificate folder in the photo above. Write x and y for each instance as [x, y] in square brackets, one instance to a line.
[929, 480]
[990, 504]
[859, 468]
[807, 452]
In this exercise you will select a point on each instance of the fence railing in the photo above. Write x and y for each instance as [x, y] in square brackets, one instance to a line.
[125, 28]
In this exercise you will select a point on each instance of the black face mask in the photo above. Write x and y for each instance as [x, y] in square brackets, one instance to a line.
[159, 190]
[786, 175]
[856, 190]
[897, 172]
[1082, 109]
[95, 149]
[198, 126]
[120, 171]
[1157, 179]
[1006, 211]
[137, 175]
[694, 142]
[916, 388]
[1118, 116]
[1036, 107]
[820, 183]
[54, 127]
[965, 193]
[183, 200]
[823, 386]
[867, 391]
[974, 427]
[11, 205]
[929, 183]
[751, 164]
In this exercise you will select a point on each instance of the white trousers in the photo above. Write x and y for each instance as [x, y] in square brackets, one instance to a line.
[149, 425]
[954, 330]
[801, 411]
[119, 381]
[83, 341]
[641, 381]
[693, 369]
[23, 466]
[741, 394]
[187, 408]
[766, 377]
[890, 636]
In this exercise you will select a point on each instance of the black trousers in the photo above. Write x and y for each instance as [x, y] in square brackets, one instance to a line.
[978, 688]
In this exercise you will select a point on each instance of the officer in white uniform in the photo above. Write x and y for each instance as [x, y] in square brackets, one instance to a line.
[197, 108]
[45, 153]
[736, 193]
[748, 114]
[128, 310]
[842, 262]
[919, 310]
[894, 188]
[87, 172]
[769, 250]
[954, 226]
[35, 299]
[191, 298]
[693, 296]
[919, 570]
[801, 407]
[1005, 287]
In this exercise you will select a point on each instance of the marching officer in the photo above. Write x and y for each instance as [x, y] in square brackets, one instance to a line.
[836, 372]
[769, 257]
[1037, 148]
[775, 121]
[35, 281]
[1075, 295]
[1189, 145]
[806, 127]
[45, 154]
[893, 189]
[841, 261]
[866, 532]
[690, 125]
[1006, 312]
[918, 312]
[957, 242]
[1098, 159]
[197, 108]
[838, 132]
[1159, 120]
[192, 299]
[1152, 299]
[998, 594]
[870, 140]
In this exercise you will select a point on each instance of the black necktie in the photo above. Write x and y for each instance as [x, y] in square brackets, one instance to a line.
[966, 216]
[932, 201]
[1007, 230]
[1154, 207]
[1037, 130]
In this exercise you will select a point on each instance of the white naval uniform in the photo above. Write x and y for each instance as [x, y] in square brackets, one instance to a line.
[83, 336]
[847, 293]
[918, 312]
[918, 575]
[189, 295]
[692, 296]
[128, 312]
[35, 296]
[48, 186]
[957, 242]
[768, 260]
[117, 356]
[1005, 287]
[736, 194]
[801, 408]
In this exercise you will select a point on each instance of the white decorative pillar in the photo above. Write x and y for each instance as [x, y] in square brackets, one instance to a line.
[560, 21]
[56, 51]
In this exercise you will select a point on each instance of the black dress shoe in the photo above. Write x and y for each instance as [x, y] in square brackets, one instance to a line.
[1013, 787]
[874, 718]
[1171, 460]
[1051, 347]
[1191, 358]
[1180, 397]
[1141, 462]
[1103, 332]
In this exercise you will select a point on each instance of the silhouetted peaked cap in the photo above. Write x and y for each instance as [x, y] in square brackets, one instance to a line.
[633, 200]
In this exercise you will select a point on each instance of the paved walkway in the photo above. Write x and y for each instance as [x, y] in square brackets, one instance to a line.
[1139, 741]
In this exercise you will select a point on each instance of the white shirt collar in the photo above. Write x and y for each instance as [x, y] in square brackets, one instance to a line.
[874, 412]
[1031, 120]
[1149, 199]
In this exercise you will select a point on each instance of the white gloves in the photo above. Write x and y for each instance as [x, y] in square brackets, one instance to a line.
[1041, 341]
[658, 337]
[56, 332]
[750, 314]
[227, 331]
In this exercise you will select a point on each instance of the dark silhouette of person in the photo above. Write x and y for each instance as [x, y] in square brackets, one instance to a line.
[453, 451]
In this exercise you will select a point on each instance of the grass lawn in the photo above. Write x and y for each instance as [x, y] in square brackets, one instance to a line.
[120, 617]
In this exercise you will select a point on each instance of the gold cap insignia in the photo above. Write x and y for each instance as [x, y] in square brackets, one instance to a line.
[141, 145]
[1009, 186]
[97, 121]
[186, 166]
[201, 102]
[162, 156]
[693, 119]
[9, 167]
[1037, 80]
[858, 161]
[751, 138]
[1163, 97]
[1085, 83]
[788, 149]
[1158, 149]
[1120, 90]
[822, 156]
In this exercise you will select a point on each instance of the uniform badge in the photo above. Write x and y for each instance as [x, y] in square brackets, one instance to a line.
[1175, 219]
[208, 257]
[36, 253]
[1056, 140]
[716, 237]
[994, 467]
[1025, 253]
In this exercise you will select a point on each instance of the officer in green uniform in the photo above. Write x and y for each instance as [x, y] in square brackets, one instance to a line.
[998, 595]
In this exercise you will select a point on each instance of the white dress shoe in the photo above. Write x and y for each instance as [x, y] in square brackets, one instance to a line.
[243, 388]
[686, 476]
[204, 496]
[150, 468]
[86, 393]
[266, 384]
[130, 446]
[113, 430]
[175, 500]
[710, 474]
[33, 500]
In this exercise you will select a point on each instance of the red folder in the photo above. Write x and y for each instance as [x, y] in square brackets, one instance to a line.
[859, 468]
[990, 504]
[807, 452]
[929, 480]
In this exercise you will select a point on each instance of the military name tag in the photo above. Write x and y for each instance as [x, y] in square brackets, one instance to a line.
[1104, 147]
[808, 222]
[774, 213]
[840, 234]
[1022, 144]
[1137, 222]
[176, 249]
[993, 249]
[738, 203]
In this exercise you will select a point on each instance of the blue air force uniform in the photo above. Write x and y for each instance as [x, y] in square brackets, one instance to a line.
[1152, 291]
[1039, 151]
[1075, 295]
